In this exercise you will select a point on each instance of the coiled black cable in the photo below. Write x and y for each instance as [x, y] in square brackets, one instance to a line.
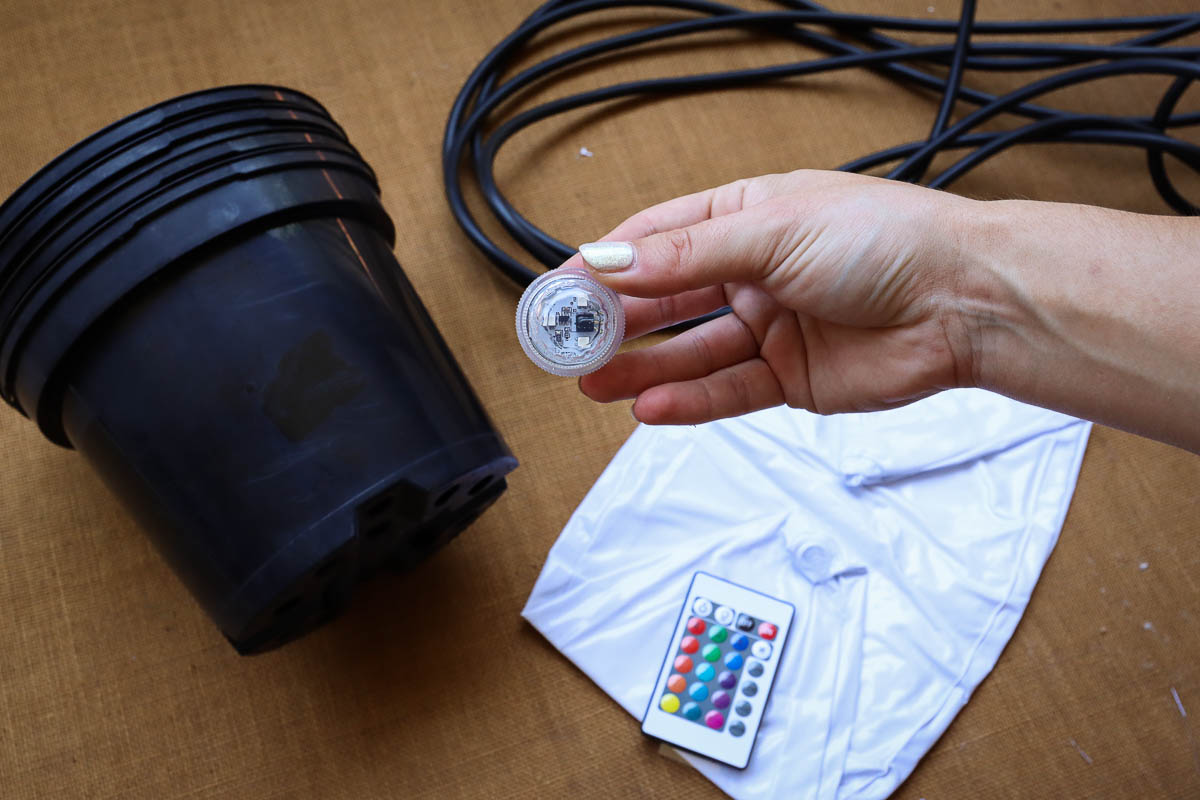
[474, 134]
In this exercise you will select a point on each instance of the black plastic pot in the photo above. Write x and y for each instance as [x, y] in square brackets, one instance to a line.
[202, 299]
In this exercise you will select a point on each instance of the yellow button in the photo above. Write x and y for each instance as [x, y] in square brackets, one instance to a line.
[669, 703]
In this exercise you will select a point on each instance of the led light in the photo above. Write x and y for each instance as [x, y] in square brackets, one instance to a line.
[568, 323]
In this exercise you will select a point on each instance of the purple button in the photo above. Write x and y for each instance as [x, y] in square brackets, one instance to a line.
[720, 700]
[727, 680]
[714, 720]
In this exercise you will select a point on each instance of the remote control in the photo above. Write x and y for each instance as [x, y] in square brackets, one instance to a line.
[721, 662]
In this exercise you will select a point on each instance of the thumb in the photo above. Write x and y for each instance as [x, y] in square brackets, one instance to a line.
[742, 246]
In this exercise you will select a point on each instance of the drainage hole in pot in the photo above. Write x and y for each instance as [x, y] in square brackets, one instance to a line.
[378, 529]
[287, 607]
[445, 496]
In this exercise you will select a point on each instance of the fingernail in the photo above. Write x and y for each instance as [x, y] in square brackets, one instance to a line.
[607, 256]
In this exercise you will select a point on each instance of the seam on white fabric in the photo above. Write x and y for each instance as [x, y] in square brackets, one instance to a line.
[1076, 461]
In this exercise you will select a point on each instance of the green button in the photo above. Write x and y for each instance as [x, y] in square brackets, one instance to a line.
[711, 652]
[719, 633]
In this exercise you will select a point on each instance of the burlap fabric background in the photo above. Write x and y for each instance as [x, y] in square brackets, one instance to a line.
[113, 684]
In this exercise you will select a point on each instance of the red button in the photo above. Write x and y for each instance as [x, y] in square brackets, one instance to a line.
[689, 644]
[766, 630]
[683, 664]
[696, 625]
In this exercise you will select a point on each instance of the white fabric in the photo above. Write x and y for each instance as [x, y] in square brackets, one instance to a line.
[908, 540]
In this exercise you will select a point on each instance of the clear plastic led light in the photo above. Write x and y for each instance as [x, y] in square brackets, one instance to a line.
[568, 323]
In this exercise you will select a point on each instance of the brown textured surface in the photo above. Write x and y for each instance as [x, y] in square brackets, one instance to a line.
[112, 683]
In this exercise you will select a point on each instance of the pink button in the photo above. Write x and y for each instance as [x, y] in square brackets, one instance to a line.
[766, 630]
[689, 644]
[696, 626]
[714, 720]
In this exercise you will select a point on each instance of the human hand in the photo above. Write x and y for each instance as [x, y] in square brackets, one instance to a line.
[841, 288]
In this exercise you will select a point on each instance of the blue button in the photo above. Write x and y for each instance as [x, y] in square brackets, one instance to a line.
[740, 642]
[733, 661]
[699, 692]
[705, 671]
[691, 711]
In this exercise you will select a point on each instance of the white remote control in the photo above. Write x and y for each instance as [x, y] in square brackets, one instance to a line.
[714, 683]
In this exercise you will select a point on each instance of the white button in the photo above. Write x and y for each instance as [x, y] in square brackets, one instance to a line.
[702, 607]
[814, 562]
[724, 615]
[761, 650]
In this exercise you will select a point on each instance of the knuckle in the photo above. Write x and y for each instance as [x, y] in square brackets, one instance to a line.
[667, 307]
[703, 352]
[682, 250]
[707, 401]
[740, 389]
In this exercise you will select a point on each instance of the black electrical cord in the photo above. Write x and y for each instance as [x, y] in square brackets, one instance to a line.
[477, 127]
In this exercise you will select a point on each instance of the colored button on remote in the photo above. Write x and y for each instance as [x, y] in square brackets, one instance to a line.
[724, 615]
[683, 664]
[718, 633]
[696, 626]
[767, 631]
[745, 622]
[740, 642]
[714, 720]
[710, 652]
[691, 711]
[755, 669]
[721, 700]
[698, 692]
[737, 729]
[669, 703]
[702, 607]
[705, 671]
[727, 680]
[761, 650]
[677, 684]
[733, 661]
[689, 644]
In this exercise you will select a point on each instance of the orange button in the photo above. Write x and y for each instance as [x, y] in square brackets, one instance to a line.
[676, 683]
[683, 664]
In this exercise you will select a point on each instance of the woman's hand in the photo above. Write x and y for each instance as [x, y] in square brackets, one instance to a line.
[841, 290]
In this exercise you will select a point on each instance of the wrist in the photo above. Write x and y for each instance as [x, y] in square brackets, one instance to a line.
[992, 302]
